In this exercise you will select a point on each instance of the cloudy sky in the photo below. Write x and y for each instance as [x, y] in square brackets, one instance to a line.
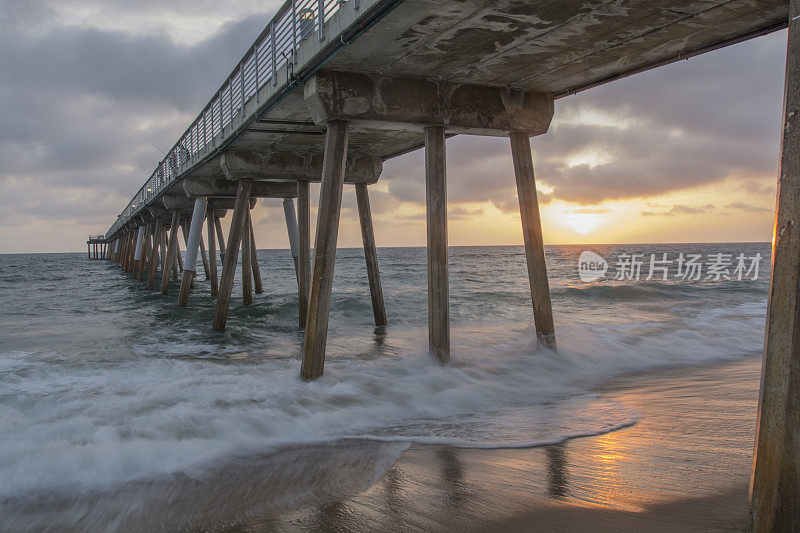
[91, 91]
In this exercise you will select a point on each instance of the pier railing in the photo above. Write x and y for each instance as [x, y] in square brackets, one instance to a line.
[294, 22]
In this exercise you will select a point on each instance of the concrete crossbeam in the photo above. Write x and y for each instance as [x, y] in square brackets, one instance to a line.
[194, 187]
[383, 102]
[187, 204]
[245, 164]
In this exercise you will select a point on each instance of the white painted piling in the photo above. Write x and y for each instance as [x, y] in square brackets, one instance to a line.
[137, 256]
[192, 248]
[292, 229]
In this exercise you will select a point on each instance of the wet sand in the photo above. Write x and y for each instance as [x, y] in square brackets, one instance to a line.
[684, 466]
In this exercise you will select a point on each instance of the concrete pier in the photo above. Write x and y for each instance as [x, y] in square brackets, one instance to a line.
[775, 480]
[247, 261]
[154, 256]
[172, 251]
[304, 251]
[293, 232]
[436, 209]
[382, 78]
[138, 246]
[220, 237]
[97, 247]
[330, 203]
[370, 254]
[532, 236]
[212, 252]
[192, 248]
[204, 256]
[240, 210]
[258, 286]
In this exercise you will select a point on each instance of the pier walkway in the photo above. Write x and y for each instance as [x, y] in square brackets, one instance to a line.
[333, 88]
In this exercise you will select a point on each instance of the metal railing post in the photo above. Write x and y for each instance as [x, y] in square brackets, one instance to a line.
[321, 16]
[294, 31]
[205, 128]
[258, 85]
[274, 52]
[241, 82]
[212, 120]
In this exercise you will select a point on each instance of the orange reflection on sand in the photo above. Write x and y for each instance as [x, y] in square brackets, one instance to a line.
[607, 484]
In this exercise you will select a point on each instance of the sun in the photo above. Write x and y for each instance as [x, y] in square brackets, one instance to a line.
[583, 222]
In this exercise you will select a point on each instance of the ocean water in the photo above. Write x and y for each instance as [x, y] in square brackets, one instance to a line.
[111, 397]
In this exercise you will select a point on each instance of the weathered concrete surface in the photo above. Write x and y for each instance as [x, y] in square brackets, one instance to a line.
[436, 215]
[382, 102]
[775, 482]
[240, 211]
[172, 252]
[330, 204]
[532, 237]
[192, 248]
[194, 188]
[370, 255]
[184, 203]
[246, 164]
[304, 253]
[551, 45]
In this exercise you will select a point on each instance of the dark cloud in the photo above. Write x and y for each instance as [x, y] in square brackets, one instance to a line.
[83, 108]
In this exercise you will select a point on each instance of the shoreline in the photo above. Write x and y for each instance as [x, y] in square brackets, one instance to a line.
[684, 466]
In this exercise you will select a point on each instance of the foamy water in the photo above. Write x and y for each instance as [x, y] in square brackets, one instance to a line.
[105, 384]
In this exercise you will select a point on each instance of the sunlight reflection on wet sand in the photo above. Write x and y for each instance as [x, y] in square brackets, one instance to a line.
[685, 465]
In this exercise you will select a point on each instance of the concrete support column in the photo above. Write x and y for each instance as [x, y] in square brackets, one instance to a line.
[130, 252]
[247, 262]
[293, 231]
[775, 481]
[137, 254]
[221, 237]
[154, 259]
[532, 233]
[123, 251]
[171, 251]
[179, 255]
[145, 252]
[203, 255]
[438, 280]
[240, 209]
[370, 254]
[330, 203]
[304, 251]
[192, 248]
[163, 251]
[259, 287]
[212, 252]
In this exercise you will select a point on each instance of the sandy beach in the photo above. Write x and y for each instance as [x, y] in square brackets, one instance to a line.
[683, 467]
